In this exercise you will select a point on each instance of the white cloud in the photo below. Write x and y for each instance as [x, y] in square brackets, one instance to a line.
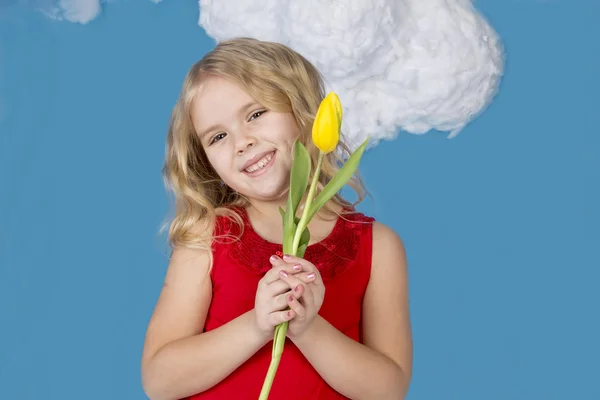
[411, 64]
[415, 65]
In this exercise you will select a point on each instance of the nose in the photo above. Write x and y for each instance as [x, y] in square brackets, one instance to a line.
[244, 142]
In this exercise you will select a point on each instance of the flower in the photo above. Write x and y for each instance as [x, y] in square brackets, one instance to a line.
[328, 121]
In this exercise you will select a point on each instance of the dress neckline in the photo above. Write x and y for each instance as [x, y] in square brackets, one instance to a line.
[255, 237]
[331, 255]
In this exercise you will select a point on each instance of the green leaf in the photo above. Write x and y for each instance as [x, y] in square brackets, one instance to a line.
[275, 335]
[301, 250]
[298, 182]
[289, 226]
[299, 175]
[304, 239]
[287, 242]
[338, 181]
[305, 236]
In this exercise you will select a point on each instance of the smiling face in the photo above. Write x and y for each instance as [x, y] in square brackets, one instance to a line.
[248, 145]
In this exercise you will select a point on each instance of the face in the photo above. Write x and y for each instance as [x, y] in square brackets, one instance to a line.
[248, 145]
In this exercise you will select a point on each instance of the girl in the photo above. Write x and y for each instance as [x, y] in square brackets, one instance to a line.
[229, 154]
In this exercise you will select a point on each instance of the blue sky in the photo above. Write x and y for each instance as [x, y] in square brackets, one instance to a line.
[500, 223]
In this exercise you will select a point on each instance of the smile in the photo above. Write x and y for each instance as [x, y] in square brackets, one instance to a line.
[261, 165]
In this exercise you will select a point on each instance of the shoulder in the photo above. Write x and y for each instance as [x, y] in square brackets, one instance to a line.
[384, 236]
[194, 246]
[194, 257]
[389, 254]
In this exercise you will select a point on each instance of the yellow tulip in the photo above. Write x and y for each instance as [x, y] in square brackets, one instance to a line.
[328, 121]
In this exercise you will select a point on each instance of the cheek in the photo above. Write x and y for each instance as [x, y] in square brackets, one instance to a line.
[218, 164]
[292, 133]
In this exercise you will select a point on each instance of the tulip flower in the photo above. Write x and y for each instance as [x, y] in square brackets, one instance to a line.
[325, 135]
[326, 128]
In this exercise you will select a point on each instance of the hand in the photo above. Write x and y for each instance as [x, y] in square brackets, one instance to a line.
[308, 292]
[272, 295]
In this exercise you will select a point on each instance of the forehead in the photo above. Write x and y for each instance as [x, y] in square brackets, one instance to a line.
[217, 103]
[219, 94]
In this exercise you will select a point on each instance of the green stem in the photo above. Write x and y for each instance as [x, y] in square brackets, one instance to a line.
[278, 342]
[305, 212]
[281, 330]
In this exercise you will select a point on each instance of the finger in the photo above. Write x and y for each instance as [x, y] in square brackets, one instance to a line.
[298, 286]
[273, 274]
[307, 277]
[277, 261]
[278, 265]
[305, 294]
[276, 318]
[276, 288]
[295, 306]
[307, 266]
[279, 302]
[281, 299]
[299, 260]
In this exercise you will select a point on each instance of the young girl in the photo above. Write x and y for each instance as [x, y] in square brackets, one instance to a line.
[229, 154]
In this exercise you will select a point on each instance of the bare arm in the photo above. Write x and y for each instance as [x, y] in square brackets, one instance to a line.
[382, 367]
[180, 360]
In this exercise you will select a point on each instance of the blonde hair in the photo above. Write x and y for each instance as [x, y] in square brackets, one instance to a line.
[278, 78]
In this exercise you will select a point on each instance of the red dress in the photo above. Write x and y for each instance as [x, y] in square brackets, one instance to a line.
[344, 260]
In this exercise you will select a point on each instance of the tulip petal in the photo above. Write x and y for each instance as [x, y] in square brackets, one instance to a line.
[326, 127]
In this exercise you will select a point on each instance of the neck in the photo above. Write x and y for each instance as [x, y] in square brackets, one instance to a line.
[270, 209]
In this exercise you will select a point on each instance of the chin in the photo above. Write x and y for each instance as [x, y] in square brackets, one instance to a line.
[270, 196]
[269, 191]
[268, 188]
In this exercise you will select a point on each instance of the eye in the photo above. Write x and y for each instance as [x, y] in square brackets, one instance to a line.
[217, 137]
[257, 114]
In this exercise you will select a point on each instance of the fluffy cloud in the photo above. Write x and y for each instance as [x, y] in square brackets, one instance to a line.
[416, 65]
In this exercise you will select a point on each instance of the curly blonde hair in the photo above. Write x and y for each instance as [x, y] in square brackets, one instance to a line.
[278, 78]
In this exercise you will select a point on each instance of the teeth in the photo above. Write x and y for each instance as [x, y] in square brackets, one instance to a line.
[260, 163]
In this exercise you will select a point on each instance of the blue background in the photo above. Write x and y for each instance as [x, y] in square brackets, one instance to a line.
[500, 223]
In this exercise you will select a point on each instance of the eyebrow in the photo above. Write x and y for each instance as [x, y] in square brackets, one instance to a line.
[246, 107]
[242, 110]
[206, 131]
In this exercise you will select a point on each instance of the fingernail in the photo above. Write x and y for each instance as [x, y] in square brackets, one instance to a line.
[291, 298]
[289, 313]
[311, 276]
[283, 273]
[273, 258]
[287, 257]
[297, 289]
[297, 267]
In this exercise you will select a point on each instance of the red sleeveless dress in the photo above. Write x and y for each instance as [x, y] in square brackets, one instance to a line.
[344, 260]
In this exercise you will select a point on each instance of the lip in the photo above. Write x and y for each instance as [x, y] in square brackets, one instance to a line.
[255, 159]
[264, 169]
